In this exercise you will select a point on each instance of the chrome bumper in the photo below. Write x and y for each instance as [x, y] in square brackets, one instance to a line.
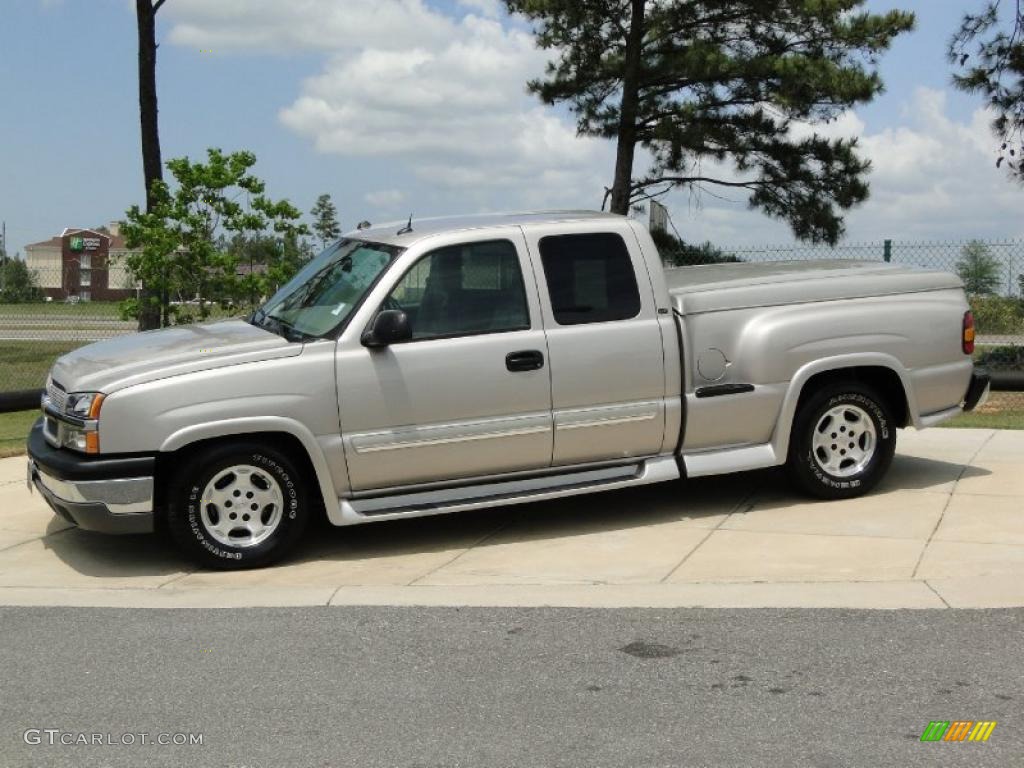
[123, 505]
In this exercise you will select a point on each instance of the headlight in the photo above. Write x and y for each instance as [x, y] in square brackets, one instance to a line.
[84, 405]
[80, 439]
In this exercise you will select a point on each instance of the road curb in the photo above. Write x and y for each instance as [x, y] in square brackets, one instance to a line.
[882, 595]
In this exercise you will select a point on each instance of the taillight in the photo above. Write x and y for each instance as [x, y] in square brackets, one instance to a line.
[968, 336]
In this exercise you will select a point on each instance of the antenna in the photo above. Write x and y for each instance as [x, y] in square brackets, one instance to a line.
[407, 228]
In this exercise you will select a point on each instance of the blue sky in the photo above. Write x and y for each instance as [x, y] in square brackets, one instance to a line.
[394, 106]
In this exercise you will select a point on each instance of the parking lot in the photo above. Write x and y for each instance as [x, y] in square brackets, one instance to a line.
[945, 529]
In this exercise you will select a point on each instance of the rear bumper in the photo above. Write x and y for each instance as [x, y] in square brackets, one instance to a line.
[978, 391]
[108, 495]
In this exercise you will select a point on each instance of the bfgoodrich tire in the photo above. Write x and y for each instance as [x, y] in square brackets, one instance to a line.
[842, 443]
[238, 506]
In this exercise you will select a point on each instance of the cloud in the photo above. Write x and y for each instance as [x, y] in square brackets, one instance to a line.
[384, 198]
[457, 113]
[303, 25]
[490, 8]
[443, 95]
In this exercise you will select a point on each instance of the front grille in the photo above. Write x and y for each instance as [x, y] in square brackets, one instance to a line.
[55, 392]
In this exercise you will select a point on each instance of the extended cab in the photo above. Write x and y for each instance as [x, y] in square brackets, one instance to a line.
[463, 363]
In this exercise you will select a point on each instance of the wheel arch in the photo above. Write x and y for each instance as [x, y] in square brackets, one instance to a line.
[882, 372]
[291, 438]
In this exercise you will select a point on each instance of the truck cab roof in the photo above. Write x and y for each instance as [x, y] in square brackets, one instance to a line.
[396, 233]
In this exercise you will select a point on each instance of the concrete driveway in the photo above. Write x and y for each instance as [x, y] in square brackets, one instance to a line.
[945, 529]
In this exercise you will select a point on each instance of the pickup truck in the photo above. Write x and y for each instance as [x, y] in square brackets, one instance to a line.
[457, 363]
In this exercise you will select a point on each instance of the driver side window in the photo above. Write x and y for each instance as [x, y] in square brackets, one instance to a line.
[464, 289]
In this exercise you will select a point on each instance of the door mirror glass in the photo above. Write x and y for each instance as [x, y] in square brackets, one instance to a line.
[389, 327]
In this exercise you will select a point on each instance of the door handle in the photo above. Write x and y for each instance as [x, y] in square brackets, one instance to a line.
[525, 360]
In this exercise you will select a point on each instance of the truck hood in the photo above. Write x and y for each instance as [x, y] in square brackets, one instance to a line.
[107, 366]
[716, 287]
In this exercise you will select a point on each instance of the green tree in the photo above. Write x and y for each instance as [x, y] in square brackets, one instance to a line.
[987, 53]
[179, 236]
[677, 253]
[979, 269]
[325, 220]
[18, 284]
[708, 84]
[265, 262]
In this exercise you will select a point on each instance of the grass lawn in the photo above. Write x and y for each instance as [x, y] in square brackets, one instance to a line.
[24, 364]
[14, 429]
[107, 310]
[1004, 410]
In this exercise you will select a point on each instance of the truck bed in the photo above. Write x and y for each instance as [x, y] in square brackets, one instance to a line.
[716, 287]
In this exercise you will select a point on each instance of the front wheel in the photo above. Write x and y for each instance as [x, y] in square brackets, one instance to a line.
[843, 442]
[238, 506]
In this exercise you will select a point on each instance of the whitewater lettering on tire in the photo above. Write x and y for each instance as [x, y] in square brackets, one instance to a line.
[289, 486]
[870, 406]
[827, 479]
[200, 534]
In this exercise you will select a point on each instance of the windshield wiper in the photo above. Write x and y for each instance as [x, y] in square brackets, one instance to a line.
[280, 327]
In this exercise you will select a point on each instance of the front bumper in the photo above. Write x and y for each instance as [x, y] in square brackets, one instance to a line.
[96, 493]
[978, 391]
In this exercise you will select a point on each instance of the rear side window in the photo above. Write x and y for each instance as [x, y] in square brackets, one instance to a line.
[590, 278]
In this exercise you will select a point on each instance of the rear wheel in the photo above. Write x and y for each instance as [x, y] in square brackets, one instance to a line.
[238, 506]
[843, 442]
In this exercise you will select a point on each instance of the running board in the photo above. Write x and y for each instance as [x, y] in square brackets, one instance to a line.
[726, 460]
[441, 501]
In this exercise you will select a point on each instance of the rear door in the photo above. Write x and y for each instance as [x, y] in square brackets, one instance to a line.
[604, 340]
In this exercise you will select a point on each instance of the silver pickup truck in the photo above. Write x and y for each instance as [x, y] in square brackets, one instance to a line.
[452, 364]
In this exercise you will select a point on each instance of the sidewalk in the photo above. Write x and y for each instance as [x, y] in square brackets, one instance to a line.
[945, 529]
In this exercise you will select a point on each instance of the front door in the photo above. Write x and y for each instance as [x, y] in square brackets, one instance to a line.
[470, 394]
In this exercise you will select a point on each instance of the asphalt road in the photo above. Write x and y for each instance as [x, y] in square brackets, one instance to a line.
[511, 687]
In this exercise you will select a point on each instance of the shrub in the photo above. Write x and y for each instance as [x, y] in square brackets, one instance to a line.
[979, 269]
[997, 314]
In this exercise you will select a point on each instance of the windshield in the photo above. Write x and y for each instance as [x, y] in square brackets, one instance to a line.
[324, 292]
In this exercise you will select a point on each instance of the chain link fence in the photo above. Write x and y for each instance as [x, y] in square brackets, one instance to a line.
[44, 313]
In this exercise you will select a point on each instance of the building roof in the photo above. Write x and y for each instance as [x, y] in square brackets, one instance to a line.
[392, 232]
[116, 241]
[53, 242]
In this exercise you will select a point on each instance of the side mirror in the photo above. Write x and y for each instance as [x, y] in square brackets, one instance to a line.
[389, 327]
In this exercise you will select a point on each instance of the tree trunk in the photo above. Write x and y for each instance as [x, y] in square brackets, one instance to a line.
[626, 146]
[152, 168]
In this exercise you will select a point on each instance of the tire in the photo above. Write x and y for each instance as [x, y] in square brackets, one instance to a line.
[853, 461]
[260, 486]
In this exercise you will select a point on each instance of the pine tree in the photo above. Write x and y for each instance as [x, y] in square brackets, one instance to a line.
[708, 84]
[988, 51]
[325, 220]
